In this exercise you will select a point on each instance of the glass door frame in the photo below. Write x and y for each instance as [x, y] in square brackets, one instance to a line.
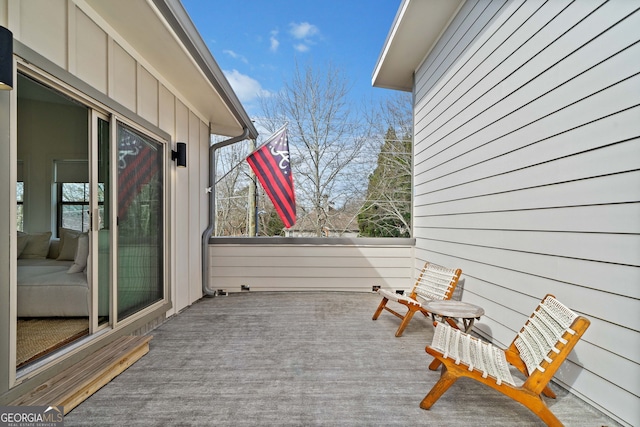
[166, 238]
[100, 106]
[93, 266]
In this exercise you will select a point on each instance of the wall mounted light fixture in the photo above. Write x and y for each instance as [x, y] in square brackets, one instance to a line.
[6, 59]
[180, 155]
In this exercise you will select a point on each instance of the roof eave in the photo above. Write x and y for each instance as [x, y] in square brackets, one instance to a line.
[416, 28]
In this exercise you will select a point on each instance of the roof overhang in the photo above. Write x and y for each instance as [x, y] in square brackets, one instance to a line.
[415, 30]
[162, 33]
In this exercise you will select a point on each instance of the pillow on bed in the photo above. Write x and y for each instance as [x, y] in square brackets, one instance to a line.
[37, 246]
[82, 253]
[68, 244]
[22, 242]
[54, 248]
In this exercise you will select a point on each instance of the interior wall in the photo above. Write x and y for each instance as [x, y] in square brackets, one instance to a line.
[47, 132]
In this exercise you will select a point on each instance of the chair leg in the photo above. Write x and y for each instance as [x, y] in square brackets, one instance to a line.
[547, 392]
[435, 364]
[405, 322]
[536, 405]
[453, 323]
[446, 380]
[547, 416]
[383, 303]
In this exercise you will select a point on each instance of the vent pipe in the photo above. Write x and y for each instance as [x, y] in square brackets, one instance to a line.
[212, 208]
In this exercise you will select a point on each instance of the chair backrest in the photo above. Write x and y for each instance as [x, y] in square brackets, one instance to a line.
[436, 282]
[543, 333]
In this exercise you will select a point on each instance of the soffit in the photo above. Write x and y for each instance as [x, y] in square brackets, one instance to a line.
[415, 30]
[160, 42]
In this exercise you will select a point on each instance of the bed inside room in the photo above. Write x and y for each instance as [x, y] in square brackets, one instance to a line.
[53, 292]
[52, 278]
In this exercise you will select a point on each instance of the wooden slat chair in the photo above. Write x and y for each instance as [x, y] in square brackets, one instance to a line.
[434, 283]
[538, 350]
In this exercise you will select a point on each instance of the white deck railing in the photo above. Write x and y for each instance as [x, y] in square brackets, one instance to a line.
[310, 264]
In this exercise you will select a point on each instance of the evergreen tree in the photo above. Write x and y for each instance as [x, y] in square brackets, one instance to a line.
[387, 208]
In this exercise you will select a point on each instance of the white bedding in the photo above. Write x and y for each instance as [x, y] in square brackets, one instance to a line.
[46, 290]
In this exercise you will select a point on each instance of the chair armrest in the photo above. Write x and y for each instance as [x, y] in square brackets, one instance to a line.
[398, 298]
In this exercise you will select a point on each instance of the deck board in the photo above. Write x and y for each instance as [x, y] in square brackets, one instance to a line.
[300, 359]
[75, 384]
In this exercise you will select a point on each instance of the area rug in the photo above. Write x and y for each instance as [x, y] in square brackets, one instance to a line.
[40, 336]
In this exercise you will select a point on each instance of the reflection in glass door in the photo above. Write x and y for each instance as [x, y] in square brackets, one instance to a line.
[140, 221]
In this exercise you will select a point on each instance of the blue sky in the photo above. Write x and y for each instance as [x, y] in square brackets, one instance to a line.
[256, 42]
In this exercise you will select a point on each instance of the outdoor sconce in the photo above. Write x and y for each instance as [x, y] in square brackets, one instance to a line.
[6, 59]
[180, 155]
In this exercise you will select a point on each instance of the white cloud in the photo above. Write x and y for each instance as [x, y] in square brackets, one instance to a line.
[235, 55]
[247, 88]
[303, 30]
[274, 41]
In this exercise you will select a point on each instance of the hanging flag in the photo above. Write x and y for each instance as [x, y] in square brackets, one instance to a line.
[271, 165]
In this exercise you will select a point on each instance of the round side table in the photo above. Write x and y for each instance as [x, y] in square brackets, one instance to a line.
[448, 309]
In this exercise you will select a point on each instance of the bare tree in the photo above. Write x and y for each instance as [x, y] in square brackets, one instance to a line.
[232, 191]
[325, 140]
[387, 209]
[391, 112]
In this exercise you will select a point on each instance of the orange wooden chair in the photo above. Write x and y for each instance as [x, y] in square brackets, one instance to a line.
[434, 283]
[538, 350]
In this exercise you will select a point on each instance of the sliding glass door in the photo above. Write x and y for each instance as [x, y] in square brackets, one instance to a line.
[140, 213]
[90, 197]
[128, 235]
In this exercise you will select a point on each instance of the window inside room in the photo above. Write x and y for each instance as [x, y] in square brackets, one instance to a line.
[73, 205]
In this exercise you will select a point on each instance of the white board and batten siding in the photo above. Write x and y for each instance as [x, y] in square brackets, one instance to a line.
[274, 264]
[527, 176]
[74, 36]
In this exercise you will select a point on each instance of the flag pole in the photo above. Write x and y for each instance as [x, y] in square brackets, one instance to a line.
[286, 123]
[280, 129]
[251, 150]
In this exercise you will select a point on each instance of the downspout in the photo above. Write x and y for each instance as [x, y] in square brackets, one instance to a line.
[212, 208]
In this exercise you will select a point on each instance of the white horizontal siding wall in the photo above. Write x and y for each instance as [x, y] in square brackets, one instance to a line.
[321, 265]
[527, 175]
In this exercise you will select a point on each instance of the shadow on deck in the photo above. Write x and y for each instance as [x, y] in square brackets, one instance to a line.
[299, 359]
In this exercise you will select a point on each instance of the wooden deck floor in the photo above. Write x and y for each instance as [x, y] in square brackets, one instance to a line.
[75, 384]
[299, 359]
